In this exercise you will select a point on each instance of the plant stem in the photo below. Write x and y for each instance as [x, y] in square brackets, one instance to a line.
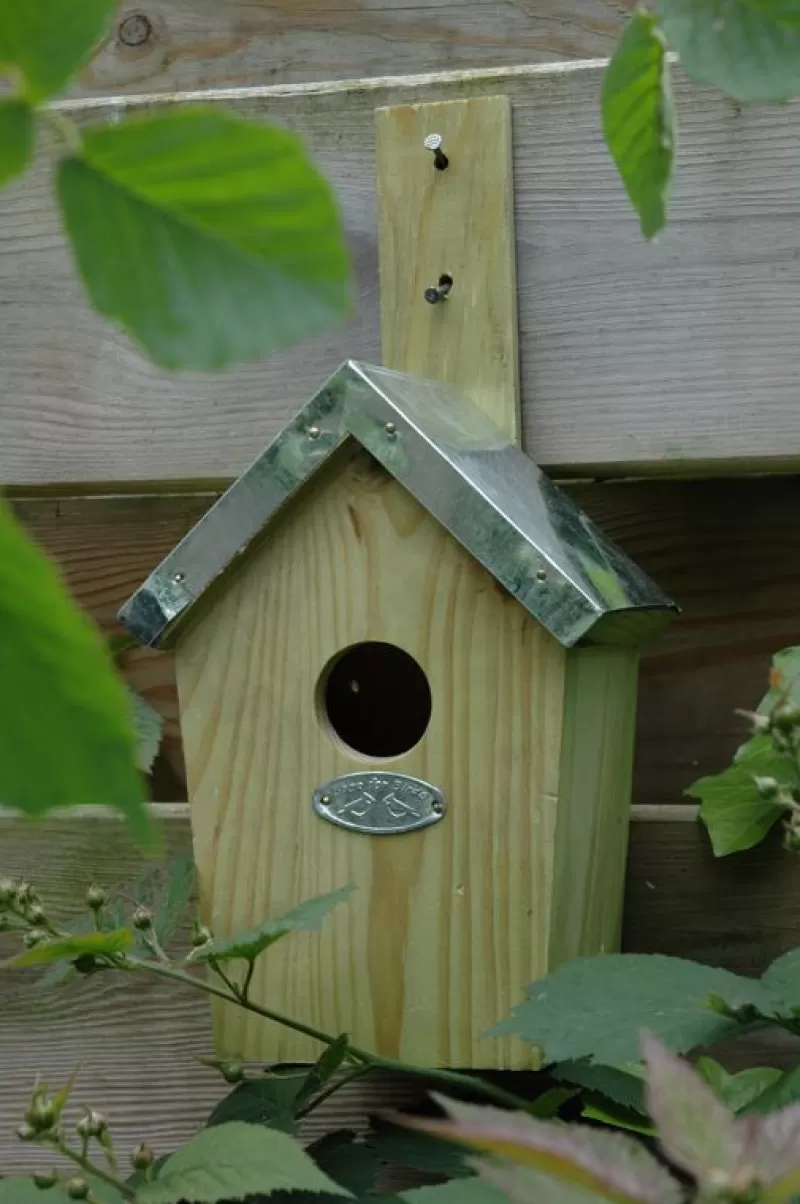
[66, 129]
[356, 1073]
[453, 1078]
[89, 1168]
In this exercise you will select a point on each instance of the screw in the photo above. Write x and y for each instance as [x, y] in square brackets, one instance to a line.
[135, 30]
[314, 432]
[437, 807]
[391, 430]
[439, 291]
[325, 800]
[178, 577]
[434, 143]
[541, 574]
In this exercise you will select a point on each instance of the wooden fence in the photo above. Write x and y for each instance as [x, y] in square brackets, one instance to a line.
[639, 363]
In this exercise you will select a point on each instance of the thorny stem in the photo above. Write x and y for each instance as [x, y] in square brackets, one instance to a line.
[90, 1168]
[368, 1060]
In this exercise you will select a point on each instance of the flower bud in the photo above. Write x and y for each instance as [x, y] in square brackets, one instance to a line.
[768, 788]
[200, 934]
[34, 937]
[25, 895]
[41, 1115]
[8, 891]
[93, 1124]
[96, 897]
[77, 1189]
[35, 913]
[232, 1072]
[4, 923]
[45, 1179]
[142, 919]
[26, 1132]
[785, 717]
[86, 964]
[142, 1157]
[791, 840]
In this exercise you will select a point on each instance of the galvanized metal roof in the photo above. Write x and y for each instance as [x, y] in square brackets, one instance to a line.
[496, 502]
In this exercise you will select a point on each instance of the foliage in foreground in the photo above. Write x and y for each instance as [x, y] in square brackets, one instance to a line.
[586, 1018]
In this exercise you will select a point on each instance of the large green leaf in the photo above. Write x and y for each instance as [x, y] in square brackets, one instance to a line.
[307, 917]
[732, 806]
[400, 1146]
[16, 138]
[210, 238]
[94, 944]
[269, 1101]
[639, 119]
[623, 1085]
[46, 41]
[24, 1191]
[748, 48]
[65, 731]
[596, 1007]
[783, 978]
[233, 1161]
[347, 1160]
[459, 1191]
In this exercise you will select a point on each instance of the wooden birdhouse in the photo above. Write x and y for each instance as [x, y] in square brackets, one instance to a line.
[407, 661]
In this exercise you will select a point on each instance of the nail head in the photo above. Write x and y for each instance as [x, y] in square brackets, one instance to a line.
[314, 432]
[135, 30]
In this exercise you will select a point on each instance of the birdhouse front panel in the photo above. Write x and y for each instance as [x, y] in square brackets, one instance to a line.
[361, 638]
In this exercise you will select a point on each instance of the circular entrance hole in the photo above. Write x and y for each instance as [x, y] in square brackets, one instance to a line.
[376, 699]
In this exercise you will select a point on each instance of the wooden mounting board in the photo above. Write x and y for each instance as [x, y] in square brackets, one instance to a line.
[676, 357]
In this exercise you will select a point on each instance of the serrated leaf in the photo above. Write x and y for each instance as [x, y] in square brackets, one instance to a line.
[460, 1191]
[65, 733]
[401, 1146]
[731, 807]
[269, 1101]
[98, 944]
[210, 238]
[232, 1161]
[48, 40]
[323, 1070]
[148, 729]
[17, 128]
[639, 119]
[347, 1160]
[748, 48]
[624, 1086]
[610, 1165]
[307, 917]
[738, 1091]
[695, 1129]
[596, 1007]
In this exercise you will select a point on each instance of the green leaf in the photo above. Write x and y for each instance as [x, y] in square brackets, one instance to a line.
[596, 1007]
[307, 917]
[738, 1091]
[347, 1160]
[269, 1101]
[16, 137]
[624, 1086]
[232, 1161]
[783, 1091]
[24, 1191]
[748, 48]
[731, 807]
[48, 40]
[786, 677]
[696, 1130]
[64, 971]
[615, 1116]
[97, 944]
[323, 1070]
[639, 119]
[610, 1165]
[783, 977]
[524, 1185]
[397, 1145]
[148, 729]
[209, 238]
[65, 734]
[460, 1191]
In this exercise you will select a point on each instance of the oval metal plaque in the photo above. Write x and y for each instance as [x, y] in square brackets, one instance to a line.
[379, 803]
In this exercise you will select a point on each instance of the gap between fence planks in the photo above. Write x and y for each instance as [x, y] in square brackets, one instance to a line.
[138, 1043]
[635, 358]
[169, 44]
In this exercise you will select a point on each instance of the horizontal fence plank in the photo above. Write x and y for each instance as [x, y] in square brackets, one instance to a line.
[727, 551]
[676, 357]
[138, 1043]
[168, 44]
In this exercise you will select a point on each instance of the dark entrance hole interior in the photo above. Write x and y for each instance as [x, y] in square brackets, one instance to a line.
[376, 699]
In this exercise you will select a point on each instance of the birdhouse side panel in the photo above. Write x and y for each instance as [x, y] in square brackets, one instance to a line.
[594, 801]
[449, 922]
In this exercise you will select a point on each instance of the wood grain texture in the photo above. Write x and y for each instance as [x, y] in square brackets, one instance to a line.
[460, 223]
[727, 551]
[449, 922]
[137, 1043]
[594, 793]
[633, 357]
[206, 43]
